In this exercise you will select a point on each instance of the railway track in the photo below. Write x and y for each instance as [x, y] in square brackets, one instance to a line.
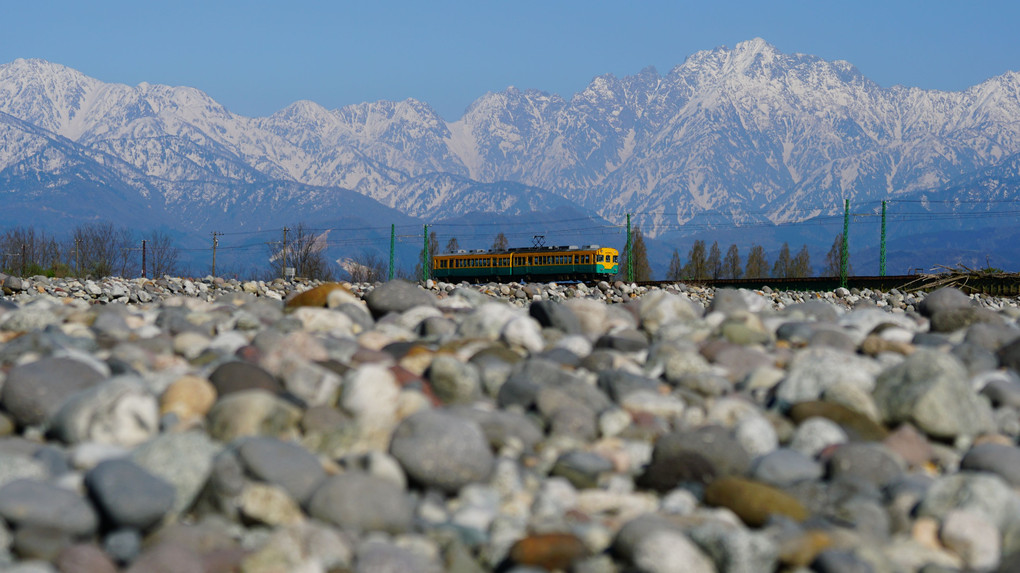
[992, 284]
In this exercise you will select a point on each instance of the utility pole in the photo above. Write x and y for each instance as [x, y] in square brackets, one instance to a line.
[143, 258]
[393, 240]
[630, 253]
[77, 265]
[881, 254]
[215, 243]
[425, 256]
[844, 254]
[23, 260]
[285, 229]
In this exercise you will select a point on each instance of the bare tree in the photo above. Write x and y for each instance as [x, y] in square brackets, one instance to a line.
[161, 255]
[697, 265]
[305, 252]
[368, 268]
[801, 264]
[500, 244]
[642, 270]
[676, 268]
[783, 267]
[101, 250]
[713, 265]
[731, 264]
[757, 263]
[26, 252]
[452, 246]
[834, 258]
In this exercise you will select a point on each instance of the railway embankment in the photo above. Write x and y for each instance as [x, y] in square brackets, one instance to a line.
[216, 425]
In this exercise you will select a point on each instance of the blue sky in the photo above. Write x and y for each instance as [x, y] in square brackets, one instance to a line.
[256, 57]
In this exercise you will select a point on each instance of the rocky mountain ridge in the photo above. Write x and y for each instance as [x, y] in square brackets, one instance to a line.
[747, 134]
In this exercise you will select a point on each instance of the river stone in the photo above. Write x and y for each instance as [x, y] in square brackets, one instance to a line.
[692, 458]
[29, 503]
[1009, 355]
[816, 434]
[752, 501]
[84, 558]
[943, 299]
[453, 381]
[814, 369]
[440, 449]
[555, 315]
[865, 463]
[40, 544]
[251, 413]
[999, 459]
[129, 496]
[981, 492]
[502, 427]
[322, 296]
[15, 466]
[856, 425]
[929, 389]
[734, 548]
[238, 376]
[183, 459]
[281, 463]
[34, 392]
[582, 469]
[619, 383]
[971, 536]
[959, 318]
[655, 546]
[356, 501]
[785, 467]
[119, 411]
[659, 308]
[397, 296]
[548, 551]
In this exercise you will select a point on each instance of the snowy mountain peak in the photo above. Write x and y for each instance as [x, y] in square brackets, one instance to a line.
[742, 130]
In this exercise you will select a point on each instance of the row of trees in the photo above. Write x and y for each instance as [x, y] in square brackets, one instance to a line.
[707, 264]
[91, 250]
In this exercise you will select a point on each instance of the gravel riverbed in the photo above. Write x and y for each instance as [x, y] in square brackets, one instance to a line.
[201, 425]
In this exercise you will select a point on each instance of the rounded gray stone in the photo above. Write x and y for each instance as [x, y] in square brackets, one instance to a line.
[442, 450]
[27, 502]
[34, 392]
[998, 459]
[128, 495]
[453, 381]
[358, 502]
[929, 389]
[184, 460]
[865, 462]
[281, 463]
[785, 467]
[397, 296]
[944, 299]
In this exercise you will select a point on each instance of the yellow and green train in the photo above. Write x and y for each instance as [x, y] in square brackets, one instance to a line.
[590, 262]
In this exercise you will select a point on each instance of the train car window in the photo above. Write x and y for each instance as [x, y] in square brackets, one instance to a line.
[598, 258]
[616, 258]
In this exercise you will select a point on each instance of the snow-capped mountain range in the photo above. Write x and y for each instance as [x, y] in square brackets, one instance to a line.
[743, 134]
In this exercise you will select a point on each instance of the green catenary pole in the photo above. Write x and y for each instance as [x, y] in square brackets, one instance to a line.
[393, 239]
[630, 253]
[844, 253]
[881, 255]
[425, 256]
